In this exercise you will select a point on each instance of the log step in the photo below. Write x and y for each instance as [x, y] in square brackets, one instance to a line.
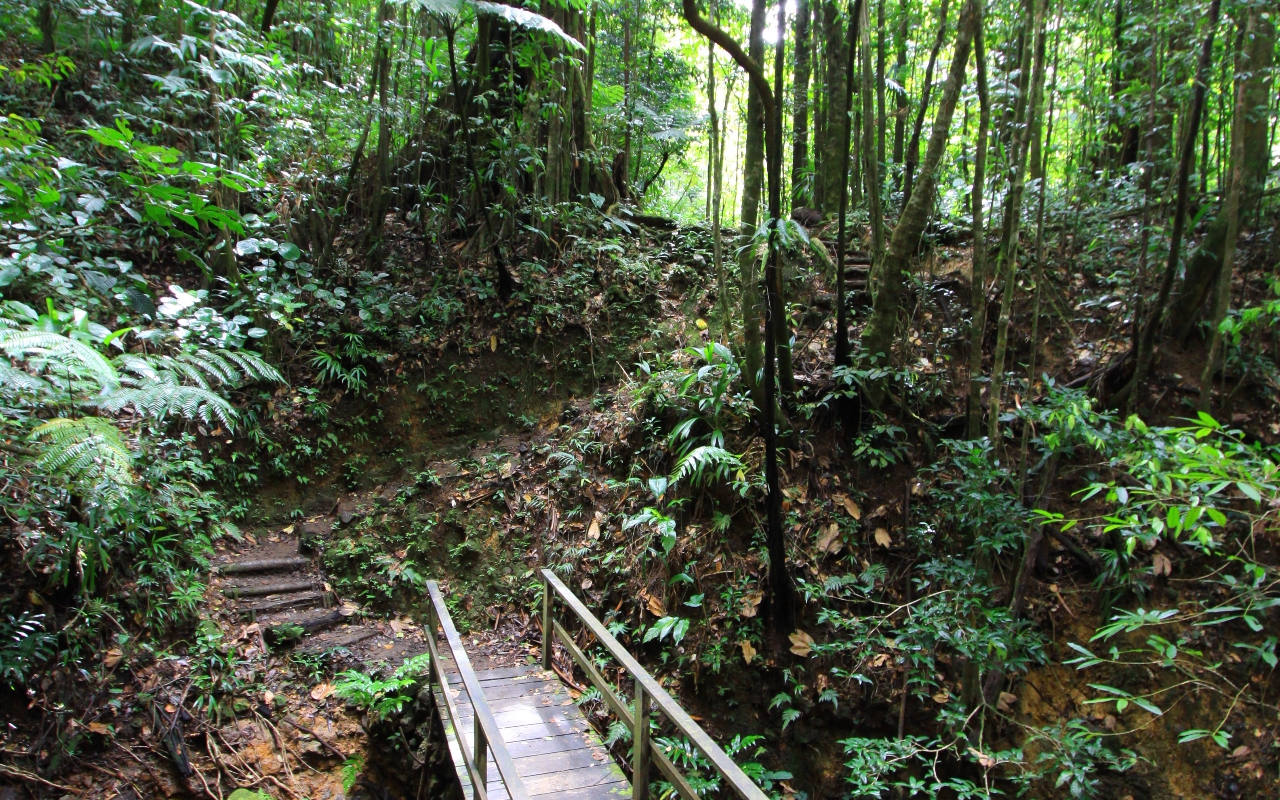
[300, 600]
[262, 565]
[269, 588]
[302, 626]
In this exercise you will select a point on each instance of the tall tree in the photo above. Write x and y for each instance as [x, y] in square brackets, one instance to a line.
[1254, 77]
[1026, 128]
[978, 279]
[1236, 184]
[913, 147]
[837, 96]
[882, 327]
[842, 321]
[800, 168]
[1146, 346]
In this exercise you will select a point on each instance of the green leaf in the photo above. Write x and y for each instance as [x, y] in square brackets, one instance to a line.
[1250, 491]
[527, 20]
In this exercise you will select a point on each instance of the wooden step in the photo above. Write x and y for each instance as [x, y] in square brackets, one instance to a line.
[270, 588]
[262, 565]
[298, 600]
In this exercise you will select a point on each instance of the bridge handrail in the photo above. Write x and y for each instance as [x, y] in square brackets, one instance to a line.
[648, 691]
[487, 735]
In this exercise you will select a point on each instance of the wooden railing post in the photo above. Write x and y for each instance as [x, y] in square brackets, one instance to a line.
[482, 761]
[640, 741]
[548, 637]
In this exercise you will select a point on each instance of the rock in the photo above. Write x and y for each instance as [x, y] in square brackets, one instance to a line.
[322, 502]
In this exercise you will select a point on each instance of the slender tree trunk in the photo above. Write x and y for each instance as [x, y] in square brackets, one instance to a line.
[913, 148]
[842, 320]
[1027, 130]
[1231, 211]
[881, 329]
[48, 26]
[782, 601]
[800, 169]
[752, 182]
[1147, 340]
[834, 183]
[880, 53]
[716, 172]
[777, 297]
[1254, 67]
[269, 14]
[870, 126]
[978, 281]
[899, 74]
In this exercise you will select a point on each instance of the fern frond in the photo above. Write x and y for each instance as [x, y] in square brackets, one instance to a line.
[87, 452]
[61, 354]
[699, 458]
[164, 396]
[16, 381]
[254, 367]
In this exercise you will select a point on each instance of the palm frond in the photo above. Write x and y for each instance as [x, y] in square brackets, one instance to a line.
[87, 452]
[699, 459]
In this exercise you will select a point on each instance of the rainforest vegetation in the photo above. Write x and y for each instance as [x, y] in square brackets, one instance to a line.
[897, 379]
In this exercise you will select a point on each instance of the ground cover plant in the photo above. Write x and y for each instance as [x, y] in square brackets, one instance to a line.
[895, 379]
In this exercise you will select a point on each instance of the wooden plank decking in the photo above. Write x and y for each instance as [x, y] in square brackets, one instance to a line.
[555, 750]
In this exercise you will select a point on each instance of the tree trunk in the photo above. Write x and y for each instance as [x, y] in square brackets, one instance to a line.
[269, 15]
[880, 118]
[1236, 184]
[777, 298]
[47, 25]
[899, 75]
[871, 157]
[913, 149]
[1027, 129]
[800, 169]
[878, 336]
[749, 217]
[1202, 266]
[1147, 340]
[834, 182]
[846, 138]
[978, 281]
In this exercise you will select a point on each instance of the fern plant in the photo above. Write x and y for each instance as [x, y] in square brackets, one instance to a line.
[57, 369]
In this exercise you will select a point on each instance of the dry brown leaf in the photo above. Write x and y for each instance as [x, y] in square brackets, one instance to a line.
[287, 530]
[348, 608]
[99, 727]
[830, 540]
[883, 538]
[493, 343]
[320, 691]
[586, 584]
[1161, 565]
[112, 657]
[593, 532]
[748, 652]
[656, 607]
[1007, 701]
[851, 507]
[268, 697]
[985, 760]
[750, 603]
[942, 696]
[801, 643]
[880, 660]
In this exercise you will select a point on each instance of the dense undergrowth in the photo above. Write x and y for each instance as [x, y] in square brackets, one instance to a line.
[214, 322]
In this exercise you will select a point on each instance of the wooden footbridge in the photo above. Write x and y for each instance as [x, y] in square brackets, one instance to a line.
[515, 733]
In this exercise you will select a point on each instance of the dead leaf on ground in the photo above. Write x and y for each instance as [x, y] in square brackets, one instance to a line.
[112, 657]
[942, 696]
[849, 506]
[801, 643]
[748, 652]
[268, 697]
[99, 727]
[586, 584]
[750, 603]
[656, 607]
[320, 691]
[287, 530]
[1161, 565]
[348, 608]
[830, 540]
[493, 343]
[883, 538]
[1006, 702]
[593, 532]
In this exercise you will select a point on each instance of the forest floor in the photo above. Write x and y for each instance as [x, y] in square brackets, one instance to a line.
[481, 503]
